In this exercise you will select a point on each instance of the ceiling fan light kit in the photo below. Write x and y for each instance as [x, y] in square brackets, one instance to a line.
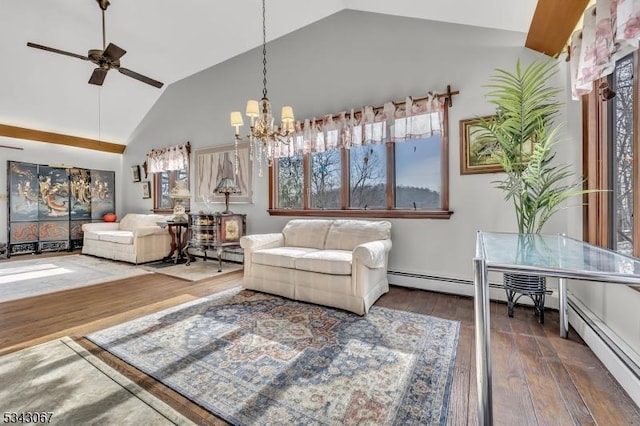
[106, 58]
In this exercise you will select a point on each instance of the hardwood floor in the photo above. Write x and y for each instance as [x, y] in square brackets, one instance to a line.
[538, 378]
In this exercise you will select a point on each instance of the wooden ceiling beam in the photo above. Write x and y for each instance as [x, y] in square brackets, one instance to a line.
[60, 139]
[552, 24]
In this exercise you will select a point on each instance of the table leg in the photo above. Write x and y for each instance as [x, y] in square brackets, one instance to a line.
[174, 244]
[562, 301]
[483, 342]
[219, 252]
[178, 244]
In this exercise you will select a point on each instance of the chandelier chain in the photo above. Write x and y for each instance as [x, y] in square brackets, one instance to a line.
[264, 51]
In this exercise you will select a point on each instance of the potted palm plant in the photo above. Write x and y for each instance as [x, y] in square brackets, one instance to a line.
[523, 133]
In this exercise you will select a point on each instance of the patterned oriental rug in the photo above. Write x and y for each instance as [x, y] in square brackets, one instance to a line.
[253, 358]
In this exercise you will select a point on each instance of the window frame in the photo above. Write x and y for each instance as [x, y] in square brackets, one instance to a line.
[598, 167]
[157, 208]
[345, 211]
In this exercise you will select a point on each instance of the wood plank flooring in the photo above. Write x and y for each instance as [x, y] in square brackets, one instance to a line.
[538, 378]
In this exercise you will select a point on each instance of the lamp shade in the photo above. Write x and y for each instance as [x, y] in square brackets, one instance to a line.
[252, 109]
[236, 119]
[287, 114]
[227, 186]
[180, 191]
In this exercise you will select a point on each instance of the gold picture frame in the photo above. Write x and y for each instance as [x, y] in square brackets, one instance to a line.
[475, 158]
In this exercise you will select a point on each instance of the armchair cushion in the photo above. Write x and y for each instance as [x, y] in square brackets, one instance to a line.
[283, 257]
[373, 254]
[334, 262]
[306, 233]
[347, 234]
[120, 237]
[261, 241]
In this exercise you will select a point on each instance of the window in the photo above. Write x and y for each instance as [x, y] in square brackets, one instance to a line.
[611, 161]
[163, 182]
[325, 180]
[368, 177]
[391, 179]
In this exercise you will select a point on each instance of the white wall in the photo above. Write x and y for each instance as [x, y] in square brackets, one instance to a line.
[45, 153]
[345, 61]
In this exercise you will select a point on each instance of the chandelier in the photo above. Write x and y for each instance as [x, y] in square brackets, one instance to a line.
[264, 136]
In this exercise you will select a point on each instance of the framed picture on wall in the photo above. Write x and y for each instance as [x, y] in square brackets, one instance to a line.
[213, 164]
[146, 189]
[135, 173]
[477, 156]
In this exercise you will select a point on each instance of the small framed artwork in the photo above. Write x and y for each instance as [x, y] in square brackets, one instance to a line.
[135, 173]
[146, 189]
[231, 228]
[477, 155]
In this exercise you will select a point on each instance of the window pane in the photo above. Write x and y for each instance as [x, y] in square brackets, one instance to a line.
[622, 173]
[290, 180]
[418, 173]
[165, 188]
[368, 177]
[325, 180]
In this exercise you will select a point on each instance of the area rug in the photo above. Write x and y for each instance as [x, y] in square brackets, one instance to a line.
[196, 271]
[36, 276]
[253, 358]
[62, 383]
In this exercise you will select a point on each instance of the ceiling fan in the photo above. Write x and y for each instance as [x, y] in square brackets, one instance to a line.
[106, 58]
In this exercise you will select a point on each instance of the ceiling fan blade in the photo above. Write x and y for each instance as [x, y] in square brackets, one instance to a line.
[98, 76]
[62, 52]
[113, 52]
[140, 77]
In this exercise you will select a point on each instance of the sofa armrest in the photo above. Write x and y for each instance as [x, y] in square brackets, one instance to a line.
[148, 230]
[101, 226]
[372, 254]
[261, 241]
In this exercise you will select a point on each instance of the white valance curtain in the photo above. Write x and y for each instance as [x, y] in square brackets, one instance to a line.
[611, 29]
[174, 157]
[371, 125]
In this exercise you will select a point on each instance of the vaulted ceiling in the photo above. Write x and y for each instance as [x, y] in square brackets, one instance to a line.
[167, 40]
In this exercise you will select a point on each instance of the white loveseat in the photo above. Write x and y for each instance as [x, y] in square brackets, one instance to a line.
[136, 238]
[339, 263]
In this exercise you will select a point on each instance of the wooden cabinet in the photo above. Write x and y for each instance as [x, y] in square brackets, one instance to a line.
[215, 231]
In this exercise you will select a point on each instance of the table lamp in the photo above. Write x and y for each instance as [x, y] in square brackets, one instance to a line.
[227, 186]
[180, 192]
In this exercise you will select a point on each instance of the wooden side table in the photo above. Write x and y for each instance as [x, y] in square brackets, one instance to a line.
[215, 231]
[178, 238]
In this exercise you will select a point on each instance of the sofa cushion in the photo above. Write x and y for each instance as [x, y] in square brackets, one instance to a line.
[120, 237]
[347, 234]
[283, 257]
[306, 233]
[132, 221]
[335, 262]
[92, 235]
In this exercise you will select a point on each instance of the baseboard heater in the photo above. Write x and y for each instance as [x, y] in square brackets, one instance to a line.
[458, 286]
[606, 340]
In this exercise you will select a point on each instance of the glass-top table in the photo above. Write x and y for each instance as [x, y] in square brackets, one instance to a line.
[556, 256]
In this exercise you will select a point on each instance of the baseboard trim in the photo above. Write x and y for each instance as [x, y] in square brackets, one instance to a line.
[621, 361]
[460, 286]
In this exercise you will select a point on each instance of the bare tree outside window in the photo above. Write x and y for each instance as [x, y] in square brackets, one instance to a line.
[368, 177]
[622, 152]
[290, 182]
[325, 180]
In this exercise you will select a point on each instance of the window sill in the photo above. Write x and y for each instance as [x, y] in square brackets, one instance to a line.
[400, 214]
